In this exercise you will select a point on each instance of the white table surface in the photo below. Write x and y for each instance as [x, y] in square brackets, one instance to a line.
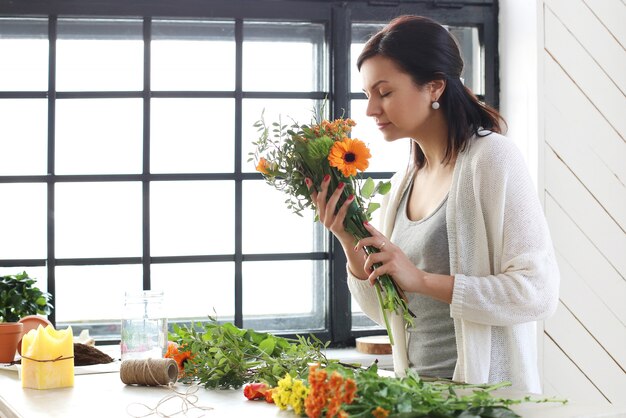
[104, 395]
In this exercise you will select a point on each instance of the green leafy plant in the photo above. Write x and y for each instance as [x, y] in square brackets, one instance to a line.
[225, 356]
[20, 297]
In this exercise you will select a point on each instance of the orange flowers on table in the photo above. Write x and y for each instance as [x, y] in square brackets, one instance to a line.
[180, 357]
[329, 394]
[257, 391]
[380, 412]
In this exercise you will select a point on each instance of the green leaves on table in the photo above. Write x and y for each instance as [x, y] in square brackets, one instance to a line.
[225, 356]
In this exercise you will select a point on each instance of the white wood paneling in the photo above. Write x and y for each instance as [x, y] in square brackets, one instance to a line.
[585, 211]
[592, 313]
[563, 379]
[591, 128]
[586, 260]
[567, 332]
[582, 113]
[570, 144]
[612, 14]
[587, 74]
[600, 44]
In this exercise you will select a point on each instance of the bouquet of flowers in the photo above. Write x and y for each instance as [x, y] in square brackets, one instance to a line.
[287, 154]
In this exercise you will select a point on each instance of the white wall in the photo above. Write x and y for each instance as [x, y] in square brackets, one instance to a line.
[563, 80]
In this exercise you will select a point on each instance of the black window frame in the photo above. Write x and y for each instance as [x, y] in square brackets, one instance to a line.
[337, 16]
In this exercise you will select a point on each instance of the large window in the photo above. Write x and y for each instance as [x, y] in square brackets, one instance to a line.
[124, 134]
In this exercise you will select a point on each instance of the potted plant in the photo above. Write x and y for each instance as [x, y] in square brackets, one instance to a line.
[19, 298]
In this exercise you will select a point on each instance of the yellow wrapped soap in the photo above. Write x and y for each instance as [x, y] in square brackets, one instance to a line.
[48, 358]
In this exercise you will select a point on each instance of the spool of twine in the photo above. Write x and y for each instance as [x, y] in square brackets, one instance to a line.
[149, 372]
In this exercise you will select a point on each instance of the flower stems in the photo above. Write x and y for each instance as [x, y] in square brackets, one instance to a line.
[384, 311]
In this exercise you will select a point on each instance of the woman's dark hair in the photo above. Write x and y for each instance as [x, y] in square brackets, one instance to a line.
[426, 51]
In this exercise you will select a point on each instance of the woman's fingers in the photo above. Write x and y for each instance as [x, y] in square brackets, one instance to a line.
[377, 239]
[326, 208]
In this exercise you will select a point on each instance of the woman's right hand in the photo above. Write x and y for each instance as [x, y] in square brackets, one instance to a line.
[334, 222]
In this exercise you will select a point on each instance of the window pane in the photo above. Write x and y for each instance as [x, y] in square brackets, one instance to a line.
[269, 227]
[99, 136]
[23, 136]
[284, 57]
[472, 53]
[289, 110]
[361, 32]
[196, 290]
[24, 52]
[183, 55]
[284, 289]
[192, 218]
[98, 220]
[99, 55]
[23, 221]
[87, 294]
[386, 156]
[192, 135]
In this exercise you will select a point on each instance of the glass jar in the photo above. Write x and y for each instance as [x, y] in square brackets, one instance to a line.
[144, 326]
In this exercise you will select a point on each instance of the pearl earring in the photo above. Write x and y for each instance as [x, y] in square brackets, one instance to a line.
[435, 105]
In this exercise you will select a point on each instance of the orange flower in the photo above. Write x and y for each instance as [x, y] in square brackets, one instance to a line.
[349, 391]
[179, 357]
[268, 395]
[263, 166]
[380, 412]
[349, 155]
[256, 391]
[329, 393]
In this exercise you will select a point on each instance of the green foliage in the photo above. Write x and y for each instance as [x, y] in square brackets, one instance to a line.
[20, 297]
[297, 151]
[412, 397]
[225, 356]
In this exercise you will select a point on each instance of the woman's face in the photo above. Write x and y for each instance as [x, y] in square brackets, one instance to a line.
[399, 106]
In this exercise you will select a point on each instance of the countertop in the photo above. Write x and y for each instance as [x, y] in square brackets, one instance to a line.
[104, 395]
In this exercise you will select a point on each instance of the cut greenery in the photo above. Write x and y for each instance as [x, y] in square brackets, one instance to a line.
[225, 356]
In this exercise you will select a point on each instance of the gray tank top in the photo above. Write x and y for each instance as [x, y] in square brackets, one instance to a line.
[432, 344]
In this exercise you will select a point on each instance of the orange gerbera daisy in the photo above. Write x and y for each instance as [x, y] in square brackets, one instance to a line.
[349, 155]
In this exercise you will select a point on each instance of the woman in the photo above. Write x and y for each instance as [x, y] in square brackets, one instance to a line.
[463, 232]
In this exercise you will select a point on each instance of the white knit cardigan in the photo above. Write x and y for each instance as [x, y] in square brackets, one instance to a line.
[502, 260]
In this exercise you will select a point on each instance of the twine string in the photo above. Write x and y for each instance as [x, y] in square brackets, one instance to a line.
[149, 372]
[188, 401]
[159, 372]
[48, 360]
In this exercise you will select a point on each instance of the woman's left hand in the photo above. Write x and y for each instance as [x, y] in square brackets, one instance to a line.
[394, 261]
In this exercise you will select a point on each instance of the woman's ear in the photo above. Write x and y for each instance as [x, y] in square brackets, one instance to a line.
[437, 88]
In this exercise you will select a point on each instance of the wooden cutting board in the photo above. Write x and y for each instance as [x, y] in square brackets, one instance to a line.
[375, 344]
